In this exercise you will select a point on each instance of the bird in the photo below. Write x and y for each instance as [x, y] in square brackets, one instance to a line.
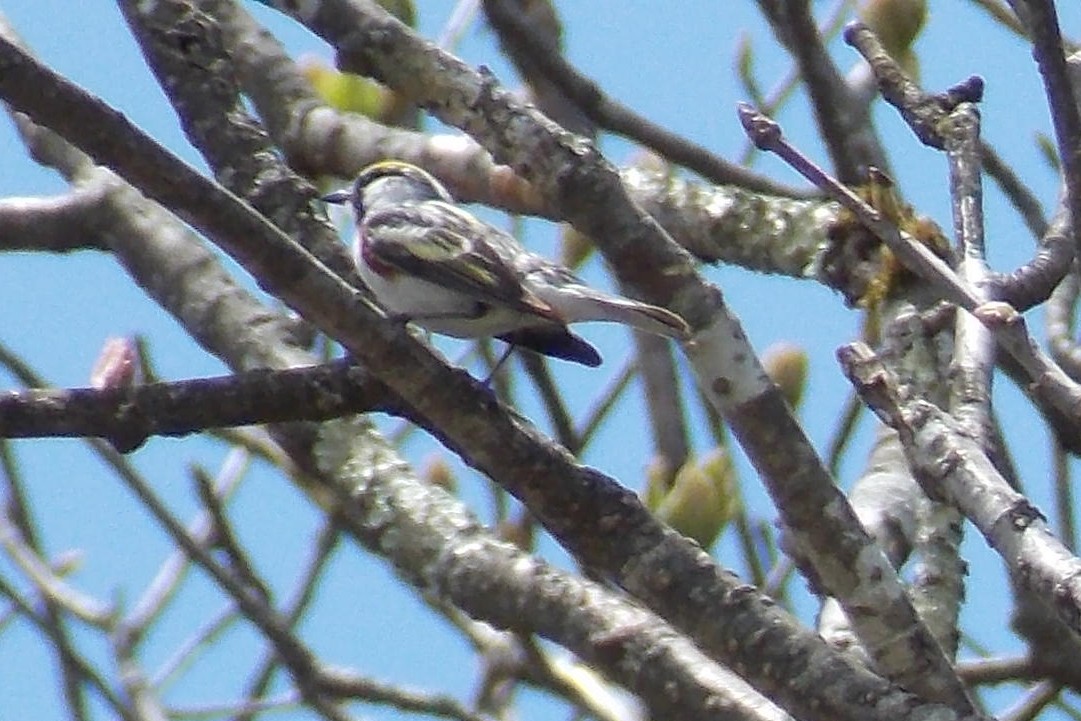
[428, 261]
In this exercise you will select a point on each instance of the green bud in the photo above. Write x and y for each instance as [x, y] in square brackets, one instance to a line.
[701, 501]
[346, 92]
[897, 23]
[786, 365]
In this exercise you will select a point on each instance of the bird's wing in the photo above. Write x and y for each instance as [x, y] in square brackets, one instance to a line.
[444, 245]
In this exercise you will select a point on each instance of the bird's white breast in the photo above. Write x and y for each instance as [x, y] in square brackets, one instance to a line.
[436, 308]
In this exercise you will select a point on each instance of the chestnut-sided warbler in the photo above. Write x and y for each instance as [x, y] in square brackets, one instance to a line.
[430, 262]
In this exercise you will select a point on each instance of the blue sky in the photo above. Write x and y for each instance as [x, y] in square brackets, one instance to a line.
[674, 67]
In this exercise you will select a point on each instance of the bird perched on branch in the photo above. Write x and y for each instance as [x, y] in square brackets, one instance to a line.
[428, 261]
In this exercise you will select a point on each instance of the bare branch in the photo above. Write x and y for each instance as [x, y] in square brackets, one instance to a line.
[127, 417]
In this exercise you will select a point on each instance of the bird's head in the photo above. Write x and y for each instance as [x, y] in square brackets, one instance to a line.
[389, 183]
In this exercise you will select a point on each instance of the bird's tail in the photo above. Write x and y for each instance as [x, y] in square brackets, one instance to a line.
[555, 341]
[577, 303]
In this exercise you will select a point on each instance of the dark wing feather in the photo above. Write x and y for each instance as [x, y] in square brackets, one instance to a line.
[437, 242]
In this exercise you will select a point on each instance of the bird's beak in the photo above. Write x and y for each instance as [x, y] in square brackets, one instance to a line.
[337, 197]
